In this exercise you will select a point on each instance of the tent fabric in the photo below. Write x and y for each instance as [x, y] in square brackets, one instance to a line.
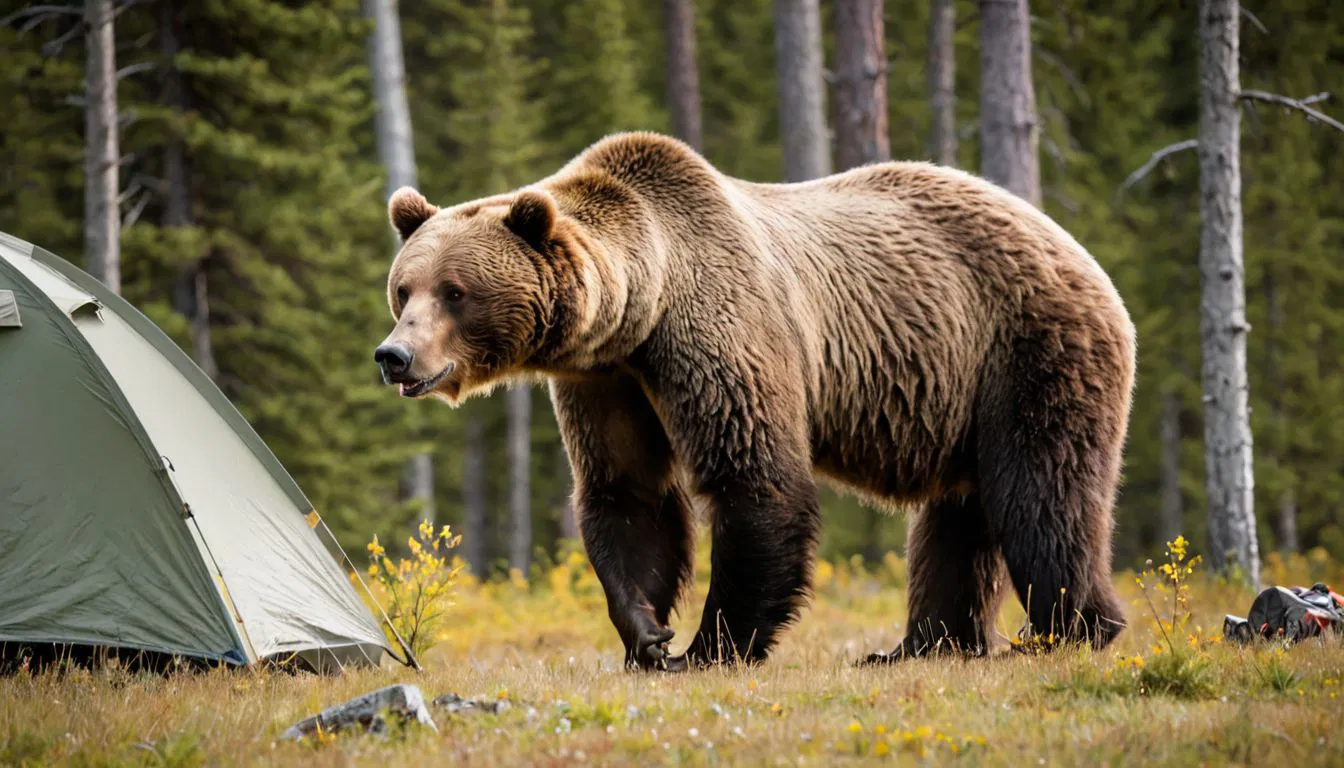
[137, 507]
[129, 575]
[9, 310]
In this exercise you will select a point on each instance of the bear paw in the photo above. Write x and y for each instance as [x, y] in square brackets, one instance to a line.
[650, 651]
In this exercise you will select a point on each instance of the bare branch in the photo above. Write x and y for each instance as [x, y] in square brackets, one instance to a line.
[54, 47]
[1148, 167]
[1254, 20]
[1070, 77]
[131, 190]
[133, 215]
[135, 69]
[1299, 105]
[125, 6]
[43, 12]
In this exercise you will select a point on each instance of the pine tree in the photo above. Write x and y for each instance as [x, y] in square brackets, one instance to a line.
[593, 86]
[287, 217]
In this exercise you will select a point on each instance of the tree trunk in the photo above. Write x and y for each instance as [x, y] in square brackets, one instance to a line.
[1286, 520]
[475, 537]
[683, 74]
[943, 82]
[1173, 512]
[392, 128]
[569, 524]
[1287, 528]
[392, 122]
[1223, 328]
[190, 289]
[520, 475]
[861, 84]
[802, 90]
[1009, 133]
[102, 157]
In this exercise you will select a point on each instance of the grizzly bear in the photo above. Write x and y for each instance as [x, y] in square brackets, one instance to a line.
[909, 332]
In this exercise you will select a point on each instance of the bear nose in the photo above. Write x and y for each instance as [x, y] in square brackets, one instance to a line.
[394, 360]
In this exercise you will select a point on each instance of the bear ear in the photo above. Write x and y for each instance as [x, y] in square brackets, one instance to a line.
[408, 209]
[532, 217]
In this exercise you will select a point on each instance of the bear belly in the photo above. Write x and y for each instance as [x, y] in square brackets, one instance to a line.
[890, 462]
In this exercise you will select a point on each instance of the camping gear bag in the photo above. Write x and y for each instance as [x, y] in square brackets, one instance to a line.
[1291, 613]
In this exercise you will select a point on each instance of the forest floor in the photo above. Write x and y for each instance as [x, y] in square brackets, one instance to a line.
[548, 649]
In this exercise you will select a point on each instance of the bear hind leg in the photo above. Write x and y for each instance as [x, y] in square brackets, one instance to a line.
[1048, 480]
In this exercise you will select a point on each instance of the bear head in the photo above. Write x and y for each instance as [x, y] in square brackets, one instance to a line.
[475, 291]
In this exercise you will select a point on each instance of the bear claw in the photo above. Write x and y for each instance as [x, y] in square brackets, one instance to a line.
[651, 650]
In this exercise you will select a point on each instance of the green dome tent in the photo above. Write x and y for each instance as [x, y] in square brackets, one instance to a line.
[139, 511]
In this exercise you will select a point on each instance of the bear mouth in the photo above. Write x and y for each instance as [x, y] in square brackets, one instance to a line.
[418, 388]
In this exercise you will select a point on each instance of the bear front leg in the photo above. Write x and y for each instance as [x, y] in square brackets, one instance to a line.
[634, 520]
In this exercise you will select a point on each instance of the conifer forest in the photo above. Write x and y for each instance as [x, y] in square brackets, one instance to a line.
[226, 166]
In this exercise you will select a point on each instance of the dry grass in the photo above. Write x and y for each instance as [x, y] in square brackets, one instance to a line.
[548, 648]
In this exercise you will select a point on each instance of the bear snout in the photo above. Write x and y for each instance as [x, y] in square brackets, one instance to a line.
[394, 361]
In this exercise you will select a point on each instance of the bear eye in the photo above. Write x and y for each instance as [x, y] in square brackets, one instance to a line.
[451, 293]
[403, 296]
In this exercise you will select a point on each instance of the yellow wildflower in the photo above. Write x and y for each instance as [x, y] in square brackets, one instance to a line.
[855, 727]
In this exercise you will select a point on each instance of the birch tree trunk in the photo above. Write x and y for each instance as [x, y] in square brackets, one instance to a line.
[861, 84]
[475, 544]
[392, 123]
[1223, 328]
[802, 89]
[191, 297]
[520, 476]
[942, 83]
[1172, 517]
[1009, 131]
[396, 149]
[683, 73]
[102, 156]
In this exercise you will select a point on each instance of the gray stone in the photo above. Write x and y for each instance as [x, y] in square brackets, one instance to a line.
[367, 713]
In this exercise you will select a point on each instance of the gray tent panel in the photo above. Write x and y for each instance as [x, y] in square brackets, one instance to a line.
[91, 551]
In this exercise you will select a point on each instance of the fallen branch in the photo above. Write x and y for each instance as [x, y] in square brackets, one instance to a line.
[1148, 167]
[1298, 104]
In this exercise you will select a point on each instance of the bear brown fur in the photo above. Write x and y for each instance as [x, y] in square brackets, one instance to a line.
[909, 332]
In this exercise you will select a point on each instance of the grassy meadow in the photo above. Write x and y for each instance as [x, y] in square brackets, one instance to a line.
[1168, 694]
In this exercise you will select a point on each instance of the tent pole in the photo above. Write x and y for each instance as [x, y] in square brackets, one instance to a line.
[410, 660]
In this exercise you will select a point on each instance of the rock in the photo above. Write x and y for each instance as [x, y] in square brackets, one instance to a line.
[367, 712]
